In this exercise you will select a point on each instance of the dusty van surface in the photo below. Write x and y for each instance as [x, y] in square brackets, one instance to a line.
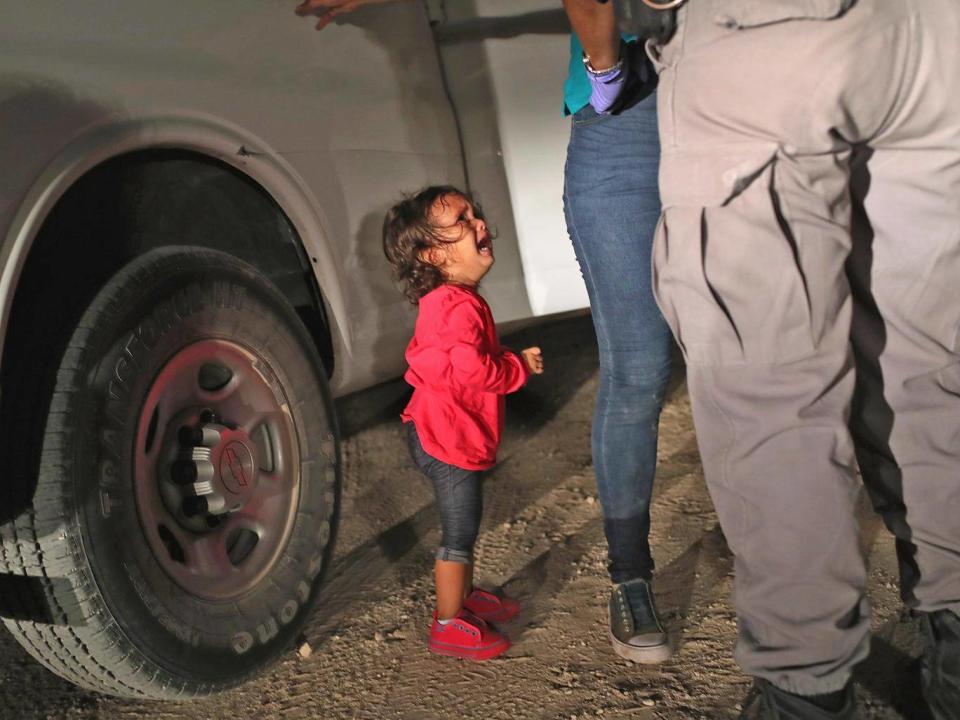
[190, 273]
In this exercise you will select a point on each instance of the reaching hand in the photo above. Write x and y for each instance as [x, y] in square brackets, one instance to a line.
[606, 87]
[327, 10]
[534, 360]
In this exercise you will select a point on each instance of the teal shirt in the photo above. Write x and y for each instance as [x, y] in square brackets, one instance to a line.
[576, 88]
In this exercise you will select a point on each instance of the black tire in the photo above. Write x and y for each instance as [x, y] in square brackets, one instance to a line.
[93, 598]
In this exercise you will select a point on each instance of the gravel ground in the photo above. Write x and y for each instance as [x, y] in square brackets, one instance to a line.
[542, 541]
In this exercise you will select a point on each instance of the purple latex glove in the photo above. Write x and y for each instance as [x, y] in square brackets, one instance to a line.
[605, 87]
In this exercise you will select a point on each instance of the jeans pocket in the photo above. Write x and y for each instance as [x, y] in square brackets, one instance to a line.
[588, 116]
[736, 14]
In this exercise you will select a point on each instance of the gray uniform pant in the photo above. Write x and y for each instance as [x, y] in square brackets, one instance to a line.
[808, 262]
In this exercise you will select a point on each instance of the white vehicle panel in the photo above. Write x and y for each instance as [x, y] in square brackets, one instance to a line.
[337, 125]
[356, 115]
[525, 70]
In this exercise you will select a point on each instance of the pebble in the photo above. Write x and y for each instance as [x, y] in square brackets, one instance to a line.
[379, 636]
[305, 650]
[649, 702]
[591, 499]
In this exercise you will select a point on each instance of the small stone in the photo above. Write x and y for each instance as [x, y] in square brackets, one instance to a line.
[305, 650]
[649, 702]
[506, 525]
[591, 499]
[378, 636]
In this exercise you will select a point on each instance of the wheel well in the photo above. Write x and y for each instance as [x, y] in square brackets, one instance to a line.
[119, 210]
[143, 200]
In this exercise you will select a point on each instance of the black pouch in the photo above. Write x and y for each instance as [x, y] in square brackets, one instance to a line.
[640, 77]
[635, 17]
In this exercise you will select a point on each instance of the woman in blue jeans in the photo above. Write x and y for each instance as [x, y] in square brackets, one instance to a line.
[612, 204]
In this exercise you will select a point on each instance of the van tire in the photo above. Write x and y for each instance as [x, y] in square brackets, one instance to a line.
[105, 578]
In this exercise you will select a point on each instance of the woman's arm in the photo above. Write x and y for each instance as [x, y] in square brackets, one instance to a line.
[594, 23]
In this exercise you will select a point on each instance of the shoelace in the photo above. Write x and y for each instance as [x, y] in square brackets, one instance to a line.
[640, 604]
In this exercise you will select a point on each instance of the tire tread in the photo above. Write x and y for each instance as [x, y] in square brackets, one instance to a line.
[81, 641]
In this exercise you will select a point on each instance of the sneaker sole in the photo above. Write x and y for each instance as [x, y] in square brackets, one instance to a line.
[645, 655]
[486, 653]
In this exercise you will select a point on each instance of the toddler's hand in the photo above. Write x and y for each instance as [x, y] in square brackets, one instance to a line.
[534, 360]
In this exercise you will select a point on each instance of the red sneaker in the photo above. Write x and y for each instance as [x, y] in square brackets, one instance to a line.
[466, 636]
[492, 608]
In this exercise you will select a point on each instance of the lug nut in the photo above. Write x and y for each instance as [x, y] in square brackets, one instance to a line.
[194, 505]
[190, 437]
[183, 472]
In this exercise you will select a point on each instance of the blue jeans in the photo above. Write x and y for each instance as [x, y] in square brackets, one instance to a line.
[459, 494]
[612, 204]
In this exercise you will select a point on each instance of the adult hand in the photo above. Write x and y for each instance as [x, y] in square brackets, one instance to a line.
[327, 10]
[534, 360]
[606, 87]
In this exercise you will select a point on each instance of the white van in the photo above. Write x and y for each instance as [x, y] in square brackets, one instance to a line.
[191, 196]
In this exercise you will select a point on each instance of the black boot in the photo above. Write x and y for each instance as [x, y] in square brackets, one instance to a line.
[766, 702]
[940, 668]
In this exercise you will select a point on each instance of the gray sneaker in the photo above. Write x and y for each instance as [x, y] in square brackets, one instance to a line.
[635, 630]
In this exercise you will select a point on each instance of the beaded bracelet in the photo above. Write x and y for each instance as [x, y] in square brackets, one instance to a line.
[601, 73]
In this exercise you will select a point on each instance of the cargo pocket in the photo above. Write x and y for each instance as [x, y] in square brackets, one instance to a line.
[697, 315]
[729, 275]
[935, 313]
[754, 13]
[949, 377]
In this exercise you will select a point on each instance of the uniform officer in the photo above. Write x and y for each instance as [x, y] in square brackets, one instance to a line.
[808, 262]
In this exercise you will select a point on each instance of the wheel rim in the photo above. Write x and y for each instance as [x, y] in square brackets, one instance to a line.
[216, 469]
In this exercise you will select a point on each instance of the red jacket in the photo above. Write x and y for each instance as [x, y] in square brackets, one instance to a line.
[459, 374]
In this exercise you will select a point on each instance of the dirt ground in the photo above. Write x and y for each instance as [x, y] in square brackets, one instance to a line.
[542, 541]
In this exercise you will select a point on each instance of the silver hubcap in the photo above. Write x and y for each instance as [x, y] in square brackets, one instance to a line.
[216, 469]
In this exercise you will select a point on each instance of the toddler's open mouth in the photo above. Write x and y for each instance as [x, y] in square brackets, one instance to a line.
[485, 246]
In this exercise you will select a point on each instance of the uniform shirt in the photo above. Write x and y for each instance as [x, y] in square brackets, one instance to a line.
[459, 374]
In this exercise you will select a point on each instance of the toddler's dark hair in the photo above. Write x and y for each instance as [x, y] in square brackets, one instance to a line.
[408, 231]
